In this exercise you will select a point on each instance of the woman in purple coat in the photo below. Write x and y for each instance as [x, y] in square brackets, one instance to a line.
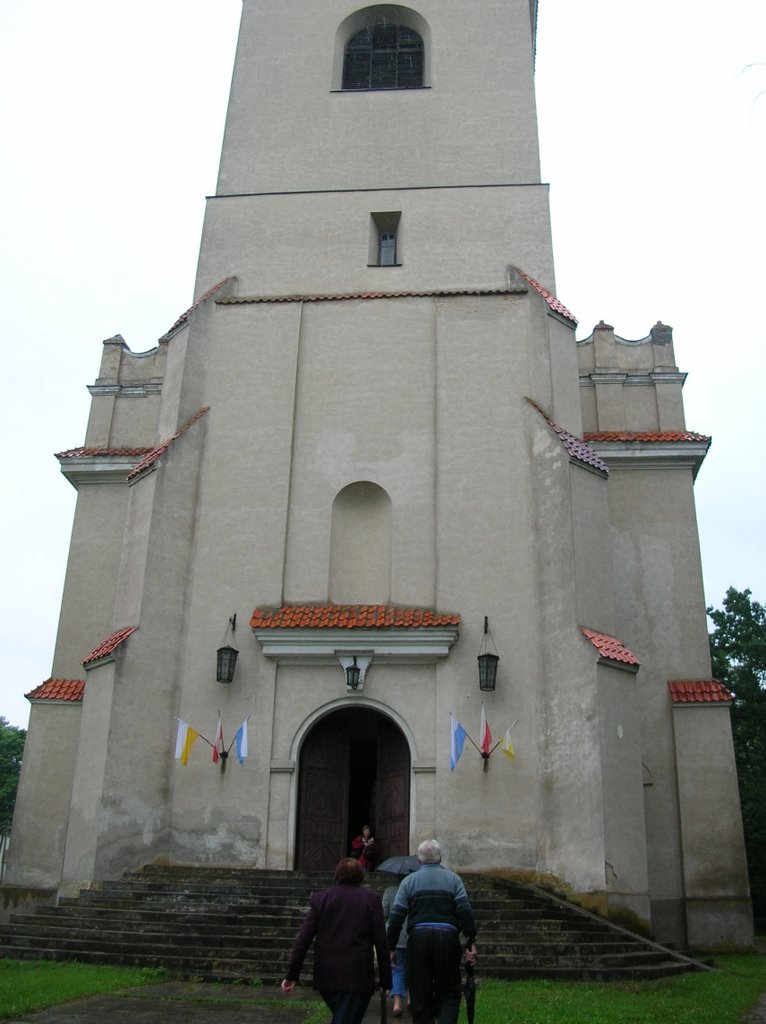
[347, 923]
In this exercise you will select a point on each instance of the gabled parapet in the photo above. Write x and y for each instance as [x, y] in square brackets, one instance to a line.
[126, 395]
[604, 350]
[630, 385]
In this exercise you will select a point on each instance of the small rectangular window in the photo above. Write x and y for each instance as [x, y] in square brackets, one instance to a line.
[385, 239]
[387, 250]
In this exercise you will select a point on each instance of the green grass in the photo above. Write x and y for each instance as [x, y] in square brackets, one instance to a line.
[27, 985]
[710, 997]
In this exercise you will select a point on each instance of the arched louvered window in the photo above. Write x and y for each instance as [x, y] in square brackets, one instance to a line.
[384, 57]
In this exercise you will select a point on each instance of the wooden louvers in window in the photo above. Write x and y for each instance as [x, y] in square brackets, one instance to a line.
[384, 57]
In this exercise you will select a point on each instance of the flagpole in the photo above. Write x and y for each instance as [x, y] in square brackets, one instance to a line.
[484, 757]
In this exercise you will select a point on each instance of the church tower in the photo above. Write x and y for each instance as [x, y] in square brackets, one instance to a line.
[370, 451]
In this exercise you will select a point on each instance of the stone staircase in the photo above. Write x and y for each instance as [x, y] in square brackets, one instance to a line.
[239, 924]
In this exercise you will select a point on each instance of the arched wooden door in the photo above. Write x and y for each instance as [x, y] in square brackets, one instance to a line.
[354, 770]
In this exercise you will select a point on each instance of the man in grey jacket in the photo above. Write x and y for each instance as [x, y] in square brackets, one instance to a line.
[437, 909]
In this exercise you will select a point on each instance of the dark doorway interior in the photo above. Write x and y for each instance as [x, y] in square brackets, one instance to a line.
[363, 766]
[354, 771]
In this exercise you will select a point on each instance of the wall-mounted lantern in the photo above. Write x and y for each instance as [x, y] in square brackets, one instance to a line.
[487, 661]
[354, 669]
[226, 656]
[352, 675]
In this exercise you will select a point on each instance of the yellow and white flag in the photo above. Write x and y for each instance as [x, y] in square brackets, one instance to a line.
[507, 746]
[185, 738]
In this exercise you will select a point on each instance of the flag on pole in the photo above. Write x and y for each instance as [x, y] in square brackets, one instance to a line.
[218, 747]
[185, 738]
[241, 741]
[485, 736]
[507, 746]
[457, 739]
[180, 737]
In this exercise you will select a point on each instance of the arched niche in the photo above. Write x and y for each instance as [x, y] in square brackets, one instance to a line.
[360, 545]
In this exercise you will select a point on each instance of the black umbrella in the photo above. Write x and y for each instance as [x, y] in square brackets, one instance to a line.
[469, 990]
[402, 865]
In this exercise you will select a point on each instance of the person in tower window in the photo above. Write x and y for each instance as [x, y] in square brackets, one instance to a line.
[364, 848]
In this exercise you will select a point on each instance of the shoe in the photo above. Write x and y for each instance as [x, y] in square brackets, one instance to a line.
[396, 1012]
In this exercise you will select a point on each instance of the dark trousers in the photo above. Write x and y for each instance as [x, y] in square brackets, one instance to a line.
[347, 1007]
[433, 975]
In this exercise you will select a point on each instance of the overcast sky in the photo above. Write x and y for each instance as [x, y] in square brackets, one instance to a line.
[653, 136]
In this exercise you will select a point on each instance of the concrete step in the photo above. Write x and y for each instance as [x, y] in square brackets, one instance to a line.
[231, 924]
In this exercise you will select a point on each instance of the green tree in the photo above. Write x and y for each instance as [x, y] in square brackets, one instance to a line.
[11, 750]
[738, 650]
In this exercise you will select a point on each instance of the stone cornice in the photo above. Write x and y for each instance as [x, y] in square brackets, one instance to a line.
[652, 454]
[98, 470]
[138, 389]
[326, 646]
[627, 379]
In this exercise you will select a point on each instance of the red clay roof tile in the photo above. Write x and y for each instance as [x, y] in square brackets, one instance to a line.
[349, 616]
[578, 448]
[207, 295]
[102, 453]
[645, 436]
[552, 301]
[610, 647]
[234, 300]
[110, 644]
[155, 453]
[58, 689]
[699, 691]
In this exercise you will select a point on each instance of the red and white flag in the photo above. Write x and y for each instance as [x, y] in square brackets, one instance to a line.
[485, 741]
[218, 747]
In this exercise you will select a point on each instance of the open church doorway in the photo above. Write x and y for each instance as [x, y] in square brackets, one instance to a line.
[354, 770]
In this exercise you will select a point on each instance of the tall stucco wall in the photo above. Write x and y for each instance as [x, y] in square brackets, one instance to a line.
[41, 818]
[590, 548]
[569, 825]
[660, 615]
[121, 794]
[627, 884]
[718, 911]
[86, 813]
[87, 605]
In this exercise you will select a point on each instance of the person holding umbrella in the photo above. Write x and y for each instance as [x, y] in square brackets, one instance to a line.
[347, 923]
[437, 909]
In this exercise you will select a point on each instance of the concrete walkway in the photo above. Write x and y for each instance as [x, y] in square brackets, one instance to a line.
[190, 1003]
[758, 1014]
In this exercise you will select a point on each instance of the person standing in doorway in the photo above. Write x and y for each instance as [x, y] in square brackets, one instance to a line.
[364, 847]
[437, 909]
[347, 923]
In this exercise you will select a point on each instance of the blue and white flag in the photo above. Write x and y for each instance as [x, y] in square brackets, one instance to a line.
[241, 741]
[457, 739]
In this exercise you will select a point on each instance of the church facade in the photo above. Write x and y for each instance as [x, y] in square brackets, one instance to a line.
[370, 451]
